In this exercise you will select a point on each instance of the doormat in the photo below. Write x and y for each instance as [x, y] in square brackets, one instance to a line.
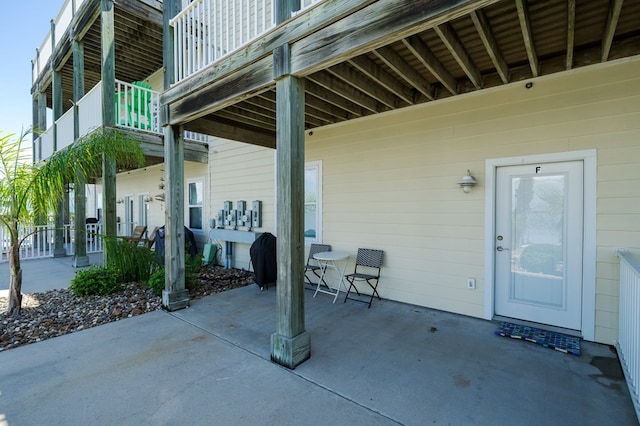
[548, 339]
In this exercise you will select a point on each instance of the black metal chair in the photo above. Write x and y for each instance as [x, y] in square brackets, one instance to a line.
[312, 264]
[368, 264]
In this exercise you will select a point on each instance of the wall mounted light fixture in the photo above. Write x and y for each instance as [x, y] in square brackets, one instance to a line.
[148, 199]
[120, 200]
[467, 182]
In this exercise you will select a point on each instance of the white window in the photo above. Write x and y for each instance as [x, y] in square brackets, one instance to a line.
[313, 202]
[195, 203]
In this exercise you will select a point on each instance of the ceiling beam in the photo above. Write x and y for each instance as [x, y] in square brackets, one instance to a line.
[216, 126]
[527, 36]
[329, 96]
[422, 52]
[351, 76]
[340, 88]
[459, 53]
[383, 78]
[488, 40]
[610, 28]
[571, 30]
[404, 70]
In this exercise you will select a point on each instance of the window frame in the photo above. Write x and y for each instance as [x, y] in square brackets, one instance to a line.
[188, 205]
[317, 167]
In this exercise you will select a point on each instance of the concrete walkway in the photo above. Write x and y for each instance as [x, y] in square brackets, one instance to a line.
[391, 364]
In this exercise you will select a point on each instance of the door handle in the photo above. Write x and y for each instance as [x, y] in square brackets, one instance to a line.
[500, 248]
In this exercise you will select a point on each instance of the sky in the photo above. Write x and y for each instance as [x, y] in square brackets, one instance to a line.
[23, 29]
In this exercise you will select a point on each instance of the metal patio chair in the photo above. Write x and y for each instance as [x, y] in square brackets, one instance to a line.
[367, 269]
[313, 265]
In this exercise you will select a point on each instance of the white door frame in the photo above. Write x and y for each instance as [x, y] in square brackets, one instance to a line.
[589, 238]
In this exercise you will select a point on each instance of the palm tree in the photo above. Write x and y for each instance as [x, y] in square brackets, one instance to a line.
[29, 191]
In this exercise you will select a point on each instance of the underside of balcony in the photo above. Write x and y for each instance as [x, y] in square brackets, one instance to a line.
[384, 55]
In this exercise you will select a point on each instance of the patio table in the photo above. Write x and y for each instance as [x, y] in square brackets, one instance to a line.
[332, 260]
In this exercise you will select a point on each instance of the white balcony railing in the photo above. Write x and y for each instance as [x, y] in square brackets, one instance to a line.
[136, 108]
[628, 344]
[61, 24]
[206, 31]
[40, 241]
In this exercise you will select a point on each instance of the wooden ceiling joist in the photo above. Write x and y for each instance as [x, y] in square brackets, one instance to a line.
[383, 78]
[459, 53]
[404, 70]
[422, 52]
[610, 27]
[571, 32]
[489, 42]
[527, 36]
[350, 76]
[340, 88]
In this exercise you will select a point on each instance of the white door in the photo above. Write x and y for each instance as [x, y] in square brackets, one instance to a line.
[538, 243]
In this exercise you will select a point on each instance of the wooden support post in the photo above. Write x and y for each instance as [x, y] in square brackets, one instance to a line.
[56, 78]
[175, 296]
[108, 118]
[80, 258]
[291, 343]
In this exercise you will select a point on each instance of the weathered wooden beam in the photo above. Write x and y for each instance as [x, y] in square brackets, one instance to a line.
[248, 117]
[615, 6]
[404, 70]
[174, 296]
[216, 126]
[340, 88]
[108, 116]
[356, 79]
[383, 78]
[377, 25]
[307, 23]
[571, 32]
[291, 343]
[80, 258]
[332, 98]
[249, 81]
[422, 52]
[316, 108]
[459, 53]
[488, 40]
[527, 36]
[152, 145]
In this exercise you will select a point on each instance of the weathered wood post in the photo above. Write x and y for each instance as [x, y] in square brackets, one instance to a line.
[291, 343]
[109, 225]
[80, 258]
[56, 80]
[174, 296]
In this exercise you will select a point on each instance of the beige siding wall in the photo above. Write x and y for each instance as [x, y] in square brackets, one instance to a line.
[146, 181]
[389, 181]
[239, 171]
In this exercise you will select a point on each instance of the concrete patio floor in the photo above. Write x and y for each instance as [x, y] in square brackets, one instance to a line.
[391, 364]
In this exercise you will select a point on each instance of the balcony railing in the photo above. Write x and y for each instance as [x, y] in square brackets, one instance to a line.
[136, 108]
[61, 24]
[628, 344]
[206, 31]
[40, 241]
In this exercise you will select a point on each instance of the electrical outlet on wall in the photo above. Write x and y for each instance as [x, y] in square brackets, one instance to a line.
[471, 283]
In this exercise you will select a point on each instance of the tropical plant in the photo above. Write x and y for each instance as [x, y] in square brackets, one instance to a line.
[131, 262]
[29, 191]
[97, 280]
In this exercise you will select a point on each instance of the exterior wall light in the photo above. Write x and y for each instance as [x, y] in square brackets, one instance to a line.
[120, 200]
[467, 182]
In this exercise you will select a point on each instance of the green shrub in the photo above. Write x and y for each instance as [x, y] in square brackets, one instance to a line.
[191, 269]
[156, 282]
[131, 262]
[96, 280]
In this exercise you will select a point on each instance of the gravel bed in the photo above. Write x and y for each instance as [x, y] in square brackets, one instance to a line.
[58, 312]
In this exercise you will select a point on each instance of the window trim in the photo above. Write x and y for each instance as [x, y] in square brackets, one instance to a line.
[187, 205]
[317, 166]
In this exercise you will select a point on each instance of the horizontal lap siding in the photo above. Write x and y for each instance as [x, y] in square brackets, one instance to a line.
[238, 171]
[389, 181]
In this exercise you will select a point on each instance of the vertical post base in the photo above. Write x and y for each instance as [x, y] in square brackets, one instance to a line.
[175, 300]
[290, 351]
[59, 252]
[80, 261]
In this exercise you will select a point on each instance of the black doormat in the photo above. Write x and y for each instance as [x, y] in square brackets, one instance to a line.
[548, 339]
